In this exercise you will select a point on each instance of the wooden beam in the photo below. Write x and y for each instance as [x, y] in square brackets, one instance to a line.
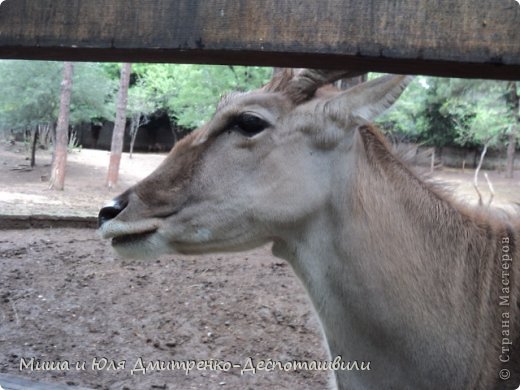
[464, 38]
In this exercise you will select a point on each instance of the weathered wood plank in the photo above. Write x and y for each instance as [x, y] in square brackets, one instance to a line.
[14, 382]
[467, 38]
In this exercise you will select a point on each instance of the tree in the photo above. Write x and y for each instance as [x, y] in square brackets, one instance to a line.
[139, 108]
[62, 129]
[93, 94]
[33, 146]
[514, 100]
[469, 113]
[30, 97]
[116, 148]
[31, 93]
[189, 92]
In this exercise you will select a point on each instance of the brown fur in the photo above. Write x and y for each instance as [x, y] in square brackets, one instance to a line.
[480, 272]
[169, 182]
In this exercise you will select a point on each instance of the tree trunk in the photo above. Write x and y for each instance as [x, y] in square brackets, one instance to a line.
[477, 170]
[134, 128]
[514, 100]
[53, 142]
[33, 146]
[119, 126]
[62, 130]
[510, 163]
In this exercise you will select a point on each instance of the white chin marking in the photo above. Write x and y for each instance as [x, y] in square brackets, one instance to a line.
[147, 247]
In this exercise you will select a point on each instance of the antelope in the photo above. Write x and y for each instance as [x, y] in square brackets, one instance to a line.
[402, 276]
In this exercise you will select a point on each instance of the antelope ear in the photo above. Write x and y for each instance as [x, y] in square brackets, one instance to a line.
[366, 101]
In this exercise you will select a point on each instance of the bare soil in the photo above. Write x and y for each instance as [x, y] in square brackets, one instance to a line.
[66, 297]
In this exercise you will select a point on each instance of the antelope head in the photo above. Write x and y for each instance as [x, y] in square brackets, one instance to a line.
[263, 166]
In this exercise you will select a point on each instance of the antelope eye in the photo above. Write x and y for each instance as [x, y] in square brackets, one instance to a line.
[249, 125]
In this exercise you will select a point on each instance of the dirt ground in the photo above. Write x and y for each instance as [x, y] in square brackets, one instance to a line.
[66, 297]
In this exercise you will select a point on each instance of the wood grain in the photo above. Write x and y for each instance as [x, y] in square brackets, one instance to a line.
[467, 38]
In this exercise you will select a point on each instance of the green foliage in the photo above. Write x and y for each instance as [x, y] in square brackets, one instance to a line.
[404, 120]
[482, 113]
[93, 93]
[112, 70]
[190, 93]
[442, 111]
[438, 125]
[31, 93]
[432, 111]
[139, 101]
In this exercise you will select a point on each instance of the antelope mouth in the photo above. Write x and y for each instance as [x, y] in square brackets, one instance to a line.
[124, 232]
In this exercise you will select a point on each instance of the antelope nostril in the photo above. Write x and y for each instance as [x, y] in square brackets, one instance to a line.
[110, 211]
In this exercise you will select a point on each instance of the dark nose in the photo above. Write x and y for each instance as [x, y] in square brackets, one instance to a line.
[111, 210]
